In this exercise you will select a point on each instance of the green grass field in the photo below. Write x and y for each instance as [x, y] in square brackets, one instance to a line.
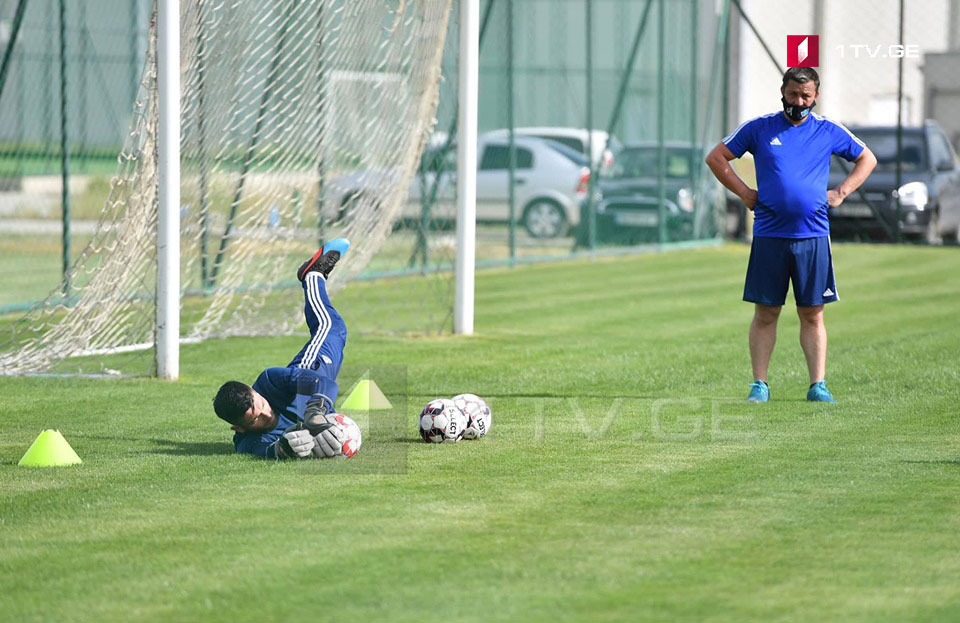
[624, 479]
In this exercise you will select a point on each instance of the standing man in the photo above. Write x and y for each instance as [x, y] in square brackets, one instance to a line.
[791, 231]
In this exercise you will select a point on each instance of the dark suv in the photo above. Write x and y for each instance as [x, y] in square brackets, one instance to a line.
[926, 206]
[626, 201]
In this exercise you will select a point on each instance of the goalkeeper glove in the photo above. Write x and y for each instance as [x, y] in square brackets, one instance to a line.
[327, 434]
[295, 442]
[318, 405]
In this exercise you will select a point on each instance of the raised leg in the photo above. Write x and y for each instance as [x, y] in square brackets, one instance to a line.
[328, 332]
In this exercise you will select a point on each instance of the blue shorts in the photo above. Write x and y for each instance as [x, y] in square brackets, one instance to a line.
[774, 262]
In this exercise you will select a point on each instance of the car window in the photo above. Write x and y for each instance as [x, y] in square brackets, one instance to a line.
[570, 141]
[678, 164]
[644, 162]
[497, 157]
[883, 144]
[571, 154]
[940, 152]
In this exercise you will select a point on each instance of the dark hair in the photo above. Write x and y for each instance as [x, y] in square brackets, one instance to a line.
[801, 75]
[232, 401]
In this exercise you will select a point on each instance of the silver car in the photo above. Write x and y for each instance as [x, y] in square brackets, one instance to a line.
[551, 181]
[604, 145]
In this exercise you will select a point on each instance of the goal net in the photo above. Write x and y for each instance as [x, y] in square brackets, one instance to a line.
[302, 120]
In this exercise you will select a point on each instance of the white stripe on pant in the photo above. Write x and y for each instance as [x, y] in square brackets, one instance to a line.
[320, 311]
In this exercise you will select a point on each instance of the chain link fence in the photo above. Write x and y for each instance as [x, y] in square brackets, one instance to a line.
[638, 75]
[69, 76]
[613, 105]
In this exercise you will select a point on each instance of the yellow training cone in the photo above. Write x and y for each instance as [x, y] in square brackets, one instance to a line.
[366, 396]
[49, 449]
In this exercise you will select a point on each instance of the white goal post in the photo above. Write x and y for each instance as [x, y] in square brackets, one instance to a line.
[468, 72]
[168, 189]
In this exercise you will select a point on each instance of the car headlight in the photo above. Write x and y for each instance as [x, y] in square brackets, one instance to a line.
[685, 200]
[913, 195]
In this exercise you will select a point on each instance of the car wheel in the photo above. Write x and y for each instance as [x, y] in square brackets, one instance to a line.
[932, 235]
[953, 237]
[353, 205]
[345, 212]
[544, 219]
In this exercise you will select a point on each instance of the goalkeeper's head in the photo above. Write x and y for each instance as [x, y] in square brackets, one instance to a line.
[243, 408]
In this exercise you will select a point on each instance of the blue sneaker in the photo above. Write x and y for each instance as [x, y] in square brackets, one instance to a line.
[325, 259]
[759, 392]
[818, 392]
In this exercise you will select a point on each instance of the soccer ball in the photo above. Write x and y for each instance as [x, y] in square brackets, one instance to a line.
[477, 413]
[442, 421]
[352, 438]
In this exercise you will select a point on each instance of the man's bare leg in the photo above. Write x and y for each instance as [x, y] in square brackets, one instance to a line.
[763, 336]
[813, 340]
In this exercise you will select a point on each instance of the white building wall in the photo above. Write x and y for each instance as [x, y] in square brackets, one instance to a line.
[853, 90]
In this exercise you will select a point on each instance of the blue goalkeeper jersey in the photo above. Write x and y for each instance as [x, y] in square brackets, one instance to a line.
[793, 169]
[278, 386]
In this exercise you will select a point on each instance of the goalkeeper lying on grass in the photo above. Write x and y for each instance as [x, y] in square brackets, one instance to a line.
[288, 413]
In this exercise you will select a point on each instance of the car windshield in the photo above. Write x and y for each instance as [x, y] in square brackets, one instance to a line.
[883, 144]
[643, 162]
[571, 154]
[568, 141]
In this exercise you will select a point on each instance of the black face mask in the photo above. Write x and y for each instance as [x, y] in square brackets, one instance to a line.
[796, 113]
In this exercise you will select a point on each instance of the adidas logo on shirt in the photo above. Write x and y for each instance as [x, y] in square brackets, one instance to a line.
[776, 141]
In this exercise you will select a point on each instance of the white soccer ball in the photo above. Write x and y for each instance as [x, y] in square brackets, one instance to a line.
[352, 438]
[441, 421]
[478, 415]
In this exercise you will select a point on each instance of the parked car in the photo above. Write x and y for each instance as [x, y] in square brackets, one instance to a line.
[551, 180]
[577, 139]
[626, 195]
[927, 203]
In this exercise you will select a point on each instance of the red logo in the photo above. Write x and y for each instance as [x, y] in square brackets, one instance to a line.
[803, 50]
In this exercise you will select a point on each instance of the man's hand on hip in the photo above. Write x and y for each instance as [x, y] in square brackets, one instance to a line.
[749, 198]
[834, 198]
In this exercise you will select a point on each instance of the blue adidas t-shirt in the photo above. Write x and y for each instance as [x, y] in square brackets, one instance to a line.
[279, 387]
[793, 169]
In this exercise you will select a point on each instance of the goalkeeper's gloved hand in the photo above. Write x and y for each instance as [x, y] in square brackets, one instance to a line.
[295, 442]
[318, 405]
[327, 433]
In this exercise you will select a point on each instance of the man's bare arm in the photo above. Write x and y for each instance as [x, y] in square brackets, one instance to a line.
[862, 168]
[719, 162]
